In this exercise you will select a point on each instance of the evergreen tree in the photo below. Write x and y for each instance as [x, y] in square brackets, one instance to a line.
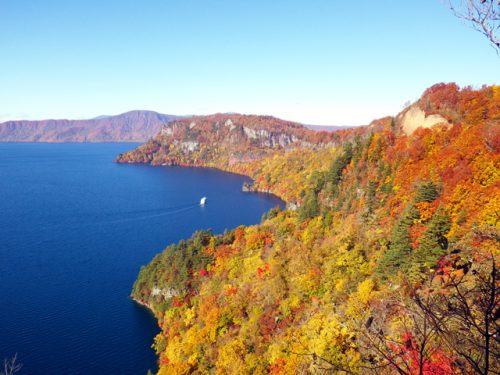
[317, 181]
[433, 243]
[339, 164]
[370, 196]
[310, 208]
[426, 192]
[377, 152]
[398, 256]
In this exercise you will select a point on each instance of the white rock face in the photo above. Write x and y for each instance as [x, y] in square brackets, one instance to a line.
[255, 134]
[250, 133]
[415, 118]
[166, 293]
[282, 140]
[189, 146]
[269, 139]
[169, 293]
[167, 130]
[192, 125]
[230, 124]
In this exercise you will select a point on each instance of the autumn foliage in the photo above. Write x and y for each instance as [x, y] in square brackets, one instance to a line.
[394, 234]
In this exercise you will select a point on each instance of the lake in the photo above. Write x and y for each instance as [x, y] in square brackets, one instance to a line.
[75, 229]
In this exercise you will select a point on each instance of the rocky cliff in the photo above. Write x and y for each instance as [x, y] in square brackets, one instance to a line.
[224, 140]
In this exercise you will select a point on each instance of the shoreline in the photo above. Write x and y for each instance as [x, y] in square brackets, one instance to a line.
[244, 189]
[145, 305]
[250, 183]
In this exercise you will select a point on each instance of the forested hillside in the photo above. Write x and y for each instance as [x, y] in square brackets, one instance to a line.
[225, 140]
[389, 264]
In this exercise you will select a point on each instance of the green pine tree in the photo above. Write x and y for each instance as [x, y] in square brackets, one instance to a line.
[426, 192]
[310, 208]
[398, 256]
[433, 243]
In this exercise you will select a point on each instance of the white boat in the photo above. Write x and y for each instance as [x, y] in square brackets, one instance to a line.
[203, 201]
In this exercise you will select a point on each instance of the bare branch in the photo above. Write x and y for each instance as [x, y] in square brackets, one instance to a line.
[11, 366]
[483, 15]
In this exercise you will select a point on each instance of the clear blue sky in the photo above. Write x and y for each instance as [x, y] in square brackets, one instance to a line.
[314, 61]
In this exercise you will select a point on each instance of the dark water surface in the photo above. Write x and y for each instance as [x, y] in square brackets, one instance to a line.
[74, 230]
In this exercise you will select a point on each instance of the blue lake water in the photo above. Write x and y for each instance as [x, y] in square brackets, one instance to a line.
[75, 229]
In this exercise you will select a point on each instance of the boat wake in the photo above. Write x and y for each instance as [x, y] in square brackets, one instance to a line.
[165, 212]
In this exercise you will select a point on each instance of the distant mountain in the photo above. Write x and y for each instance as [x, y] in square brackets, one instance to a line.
[133, 126]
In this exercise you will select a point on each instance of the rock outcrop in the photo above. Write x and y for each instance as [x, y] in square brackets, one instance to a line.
[415, 118]
[223, 140]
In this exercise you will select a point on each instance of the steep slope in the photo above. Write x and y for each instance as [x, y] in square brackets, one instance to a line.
[389, 265]
[222, 140]
[134, 126]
